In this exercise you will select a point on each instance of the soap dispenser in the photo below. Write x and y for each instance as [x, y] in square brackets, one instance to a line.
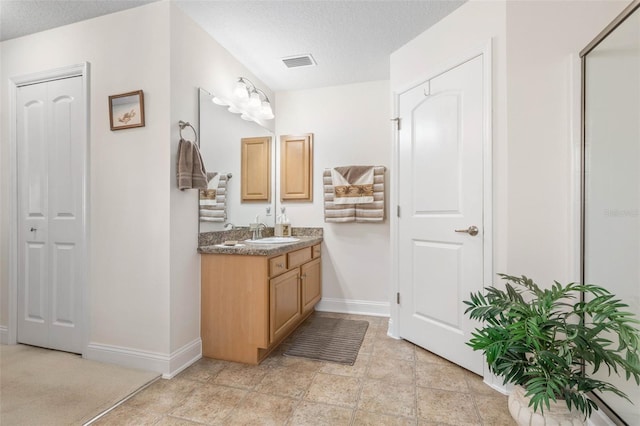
[286, 225]
[277, 230]
[283, 227]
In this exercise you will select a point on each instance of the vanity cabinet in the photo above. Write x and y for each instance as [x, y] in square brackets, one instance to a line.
[296, 167]
[285, 307]
[251, 303]
[311, 285]
[256, 169]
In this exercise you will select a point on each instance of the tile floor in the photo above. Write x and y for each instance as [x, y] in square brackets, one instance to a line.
[393, 382]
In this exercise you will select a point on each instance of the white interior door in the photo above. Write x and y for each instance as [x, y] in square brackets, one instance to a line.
[51, 150]
[440, 228]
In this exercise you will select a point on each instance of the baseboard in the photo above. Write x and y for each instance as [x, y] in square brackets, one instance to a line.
[4, 335]
[184, 357]
[167, 365]
[358, 307]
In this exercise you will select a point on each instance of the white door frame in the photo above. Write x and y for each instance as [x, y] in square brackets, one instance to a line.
[487, 164]
[78, 70]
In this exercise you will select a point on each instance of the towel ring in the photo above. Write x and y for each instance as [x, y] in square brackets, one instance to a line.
[184, 124]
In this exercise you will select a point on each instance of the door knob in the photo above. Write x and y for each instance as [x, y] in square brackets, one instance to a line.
[33, 229]
[472, 230]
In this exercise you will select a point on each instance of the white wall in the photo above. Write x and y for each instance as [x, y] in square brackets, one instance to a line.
[533, 159]
[128, 197]
[543, 198]
[466, 31]
[144, 277]
[351, 126]
[196, 61]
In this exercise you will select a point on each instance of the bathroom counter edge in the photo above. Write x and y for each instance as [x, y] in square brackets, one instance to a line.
[249, 249]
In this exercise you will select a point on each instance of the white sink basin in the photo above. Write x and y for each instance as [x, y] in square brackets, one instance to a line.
[274, 240]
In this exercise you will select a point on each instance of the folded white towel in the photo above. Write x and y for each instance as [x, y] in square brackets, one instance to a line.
[352, 184]
[212, 213]
[211, 219]
[214, 181]
[213, 200]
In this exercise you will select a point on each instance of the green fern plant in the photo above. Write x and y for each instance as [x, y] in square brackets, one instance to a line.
[542, 338]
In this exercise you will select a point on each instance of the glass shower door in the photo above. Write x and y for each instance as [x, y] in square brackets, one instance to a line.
[612, 182]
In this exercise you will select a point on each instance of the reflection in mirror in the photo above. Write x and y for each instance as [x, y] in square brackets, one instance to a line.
[612, 182]
[221, 134]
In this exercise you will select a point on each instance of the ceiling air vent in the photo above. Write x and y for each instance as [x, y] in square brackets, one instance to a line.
[299, 61]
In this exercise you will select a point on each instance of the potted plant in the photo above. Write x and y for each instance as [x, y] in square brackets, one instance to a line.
[544, 339]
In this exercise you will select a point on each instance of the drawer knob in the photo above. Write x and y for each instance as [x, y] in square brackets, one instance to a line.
[279, 265]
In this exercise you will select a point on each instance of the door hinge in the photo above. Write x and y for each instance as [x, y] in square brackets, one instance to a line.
[398, 211]
[398, 298]
[398, 120]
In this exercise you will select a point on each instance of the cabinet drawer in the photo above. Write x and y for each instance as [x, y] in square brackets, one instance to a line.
[298, 257]
[277, 265]
[316, 251]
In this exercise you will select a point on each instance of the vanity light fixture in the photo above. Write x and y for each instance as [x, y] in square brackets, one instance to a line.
[249, 101]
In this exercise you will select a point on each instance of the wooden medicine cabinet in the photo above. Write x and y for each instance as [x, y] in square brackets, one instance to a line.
[296, 167]
[256, 169]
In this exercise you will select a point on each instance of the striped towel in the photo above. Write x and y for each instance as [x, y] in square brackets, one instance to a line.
[365, 212]
[213, 200]
[352, 184]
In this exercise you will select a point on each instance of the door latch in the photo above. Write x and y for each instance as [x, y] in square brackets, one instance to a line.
[472, 230]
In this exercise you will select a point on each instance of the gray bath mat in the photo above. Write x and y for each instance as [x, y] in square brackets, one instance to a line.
[329, 339]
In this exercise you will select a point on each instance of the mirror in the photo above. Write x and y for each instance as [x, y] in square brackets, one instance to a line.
[221, 133]
[611, 194]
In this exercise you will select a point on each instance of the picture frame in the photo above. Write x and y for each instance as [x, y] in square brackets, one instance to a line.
[126, 110]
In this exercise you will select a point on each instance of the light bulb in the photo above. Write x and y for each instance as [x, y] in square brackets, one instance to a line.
[265, 110]
[254, 101]
[240, 90]
[219, 101]
[234, 109]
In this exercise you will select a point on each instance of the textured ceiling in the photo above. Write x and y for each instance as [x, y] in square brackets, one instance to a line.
[351, 40]
[22, 17]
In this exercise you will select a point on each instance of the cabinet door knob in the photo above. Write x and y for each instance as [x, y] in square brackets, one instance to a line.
[303, 276]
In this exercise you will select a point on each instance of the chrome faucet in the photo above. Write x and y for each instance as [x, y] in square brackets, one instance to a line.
[229, 225]
[257, 228]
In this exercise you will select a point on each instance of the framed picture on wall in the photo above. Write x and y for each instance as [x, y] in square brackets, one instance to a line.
[126, 110]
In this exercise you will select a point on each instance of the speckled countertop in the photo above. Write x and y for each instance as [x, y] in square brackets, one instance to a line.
[211, 244]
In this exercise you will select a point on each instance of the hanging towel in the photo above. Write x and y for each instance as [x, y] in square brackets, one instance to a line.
[352, 184]
[373, 211]
[191, 171]
[199, 174]
[364, 212]
[185, 164]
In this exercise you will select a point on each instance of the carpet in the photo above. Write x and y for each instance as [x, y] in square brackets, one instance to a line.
[43, 387]
[329, 339]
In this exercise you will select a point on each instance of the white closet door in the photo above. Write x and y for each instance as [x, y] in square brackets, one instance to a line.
[51, 149]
